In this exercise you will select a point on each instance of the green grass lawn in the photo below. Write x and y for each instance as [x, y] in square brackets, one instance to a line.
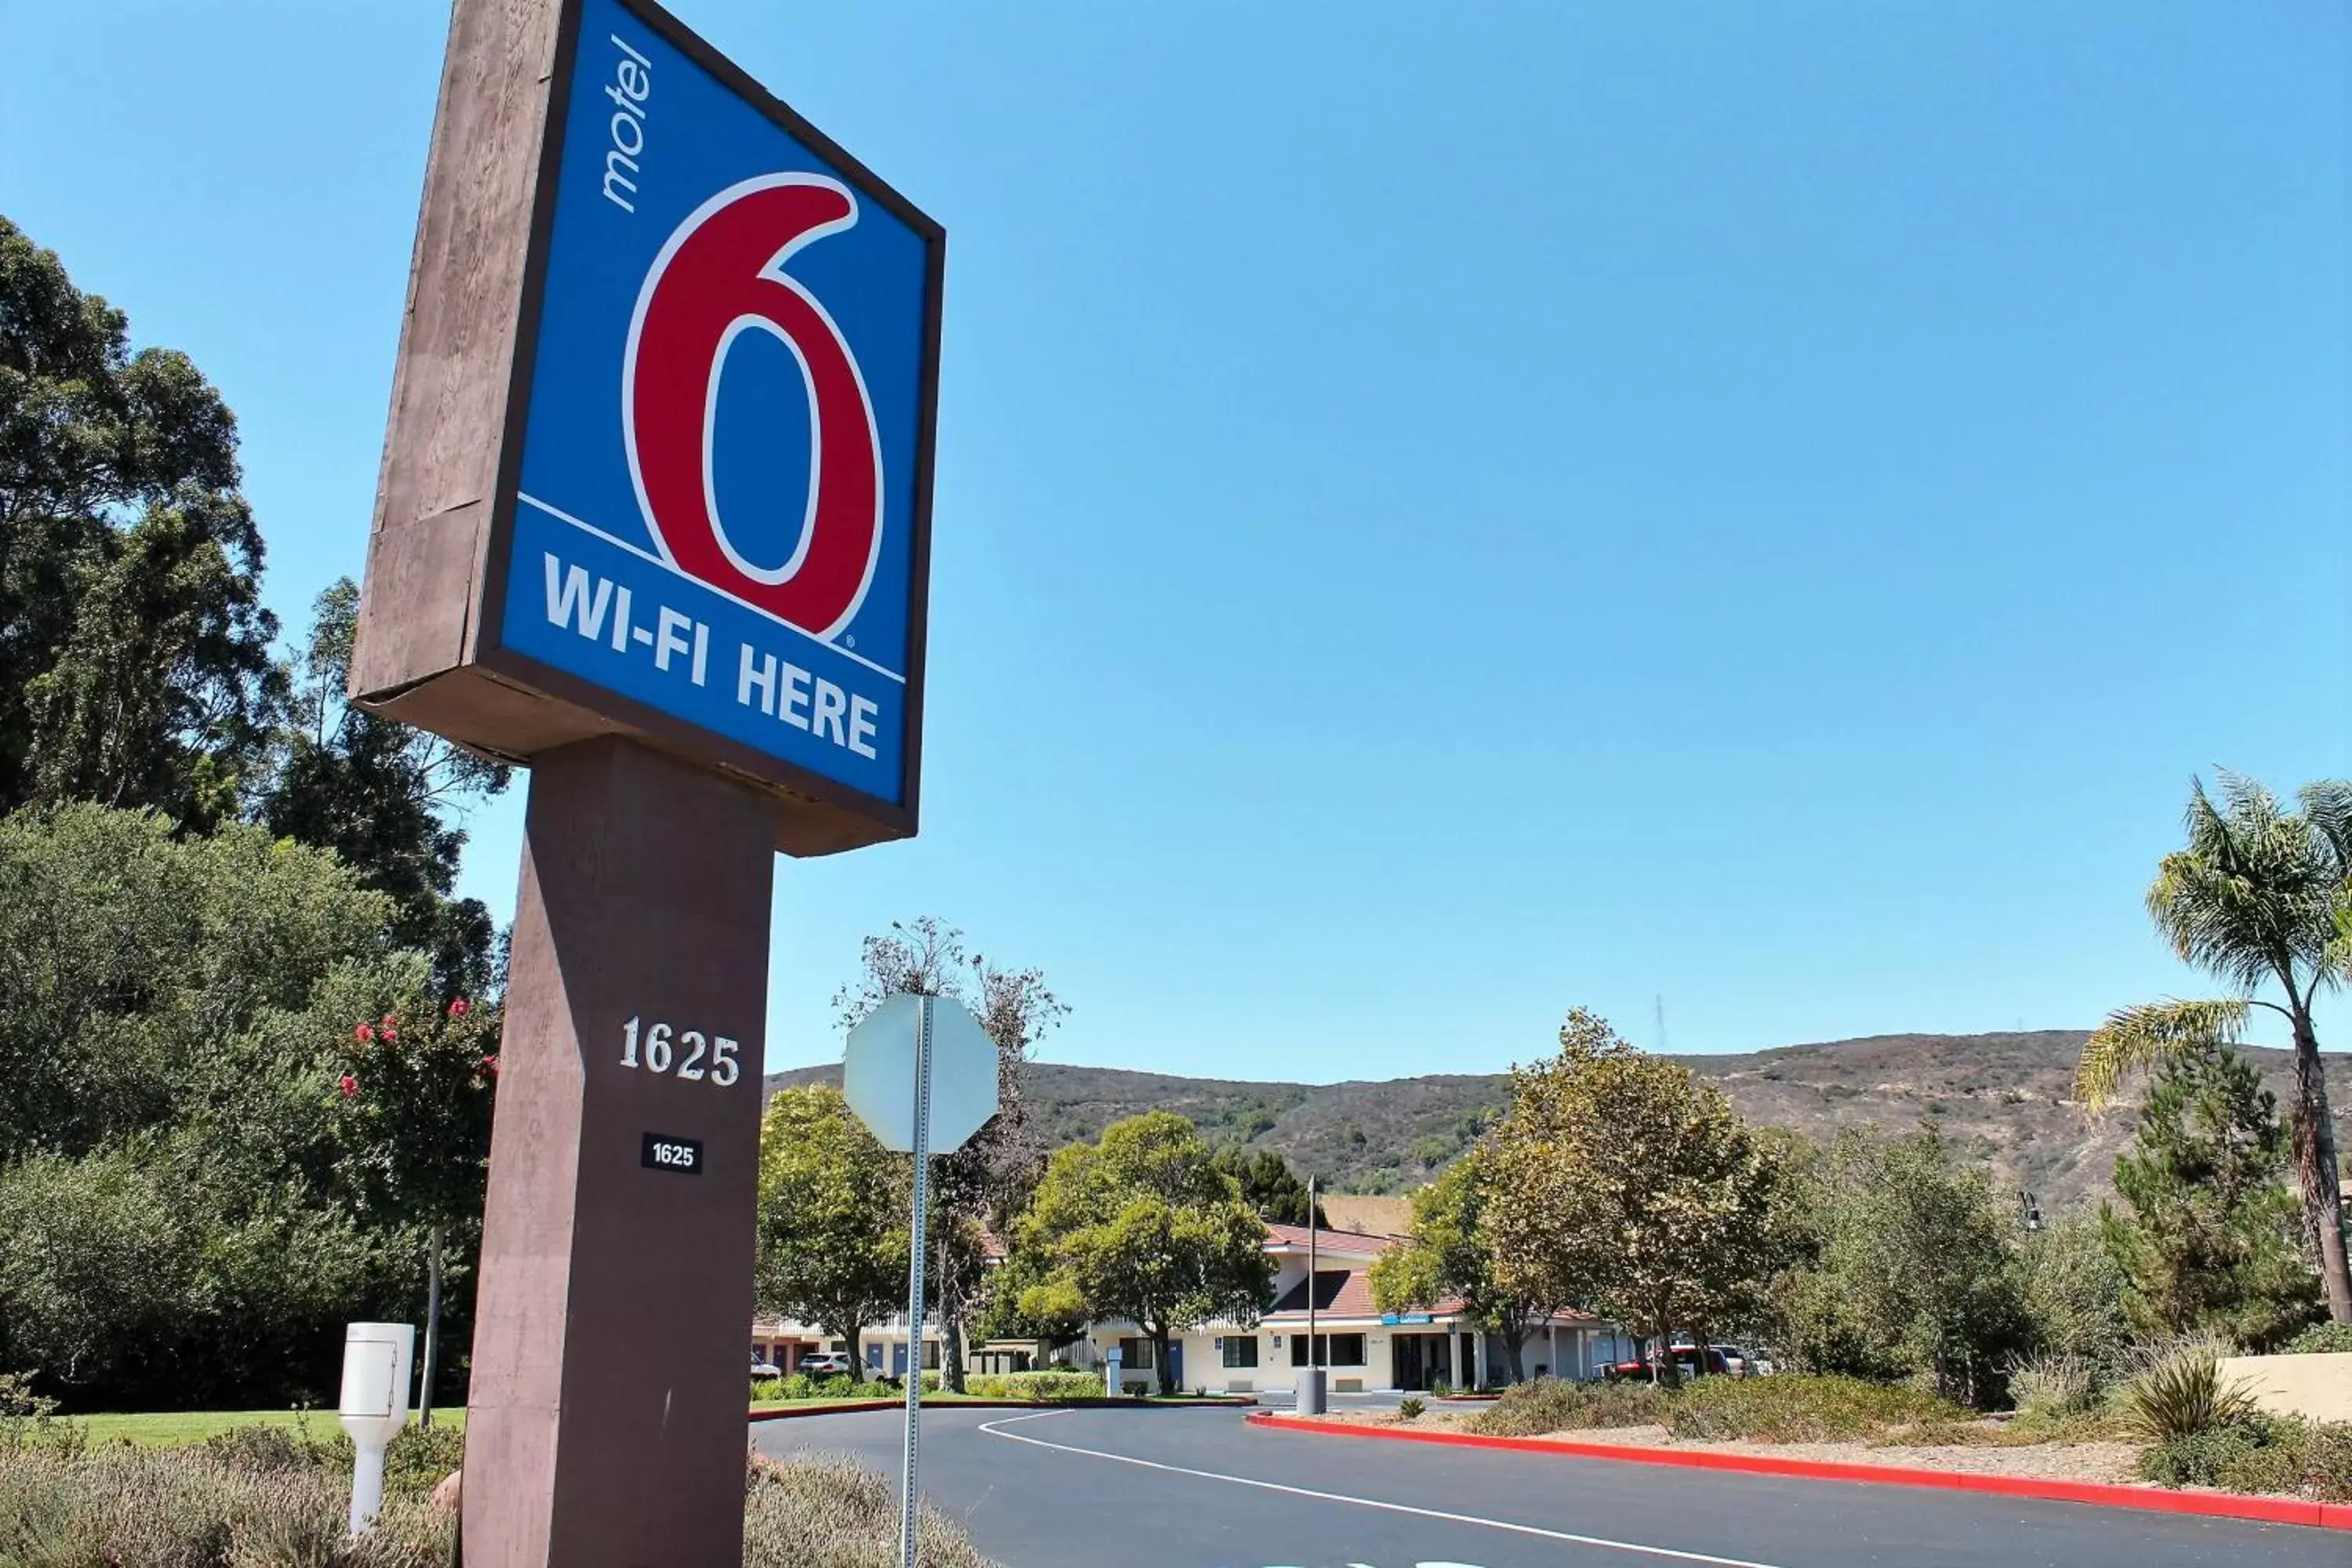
[178, 1428]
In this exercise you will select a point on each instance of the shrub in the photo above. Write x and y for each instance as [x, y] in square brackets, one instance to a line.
[1409, 1409]
[2260, 1454]
[786, 1389]
[1038, 1385]
[818, 1511]
[226, 1505]
[2054, 1384]
[260, 1450]
[415, 1462]
[1440, 1389]
[2321, 1339]
[2306, 1458]
[29, 1420]
[421, 1458]
[1798, 1409]
[195, 1509]
[1548, 1405]
[2180, 1392]
[2201, 1458]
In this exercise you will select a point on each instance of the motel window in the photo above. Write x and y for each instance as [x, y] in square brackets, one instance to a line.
[1241, 1350]
[1135, 1355]
[1338, 1350]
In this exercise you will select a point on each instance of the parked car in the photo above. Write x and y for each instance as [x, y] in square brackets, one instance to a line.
[1687, 1362]
[826, 1363]
[761, 1369]
[1744, 1362]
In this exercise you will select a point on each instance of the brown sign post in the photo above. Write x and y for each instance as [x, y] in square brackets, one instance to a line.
[653, 518]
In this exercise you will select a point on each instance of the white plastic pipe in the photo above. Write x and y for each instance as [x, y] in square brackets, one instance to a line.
[367, 1489]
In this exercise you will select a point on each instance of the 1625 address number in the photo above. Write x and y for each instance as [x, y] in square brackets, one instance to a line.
[695, 1057]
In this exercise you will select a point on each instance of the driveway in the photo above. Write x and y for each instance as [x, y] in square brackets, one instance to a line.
[1170, 1487]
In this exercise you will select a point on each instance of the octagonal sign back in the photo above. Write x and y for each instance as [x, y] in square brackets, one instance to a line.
[878, 1072]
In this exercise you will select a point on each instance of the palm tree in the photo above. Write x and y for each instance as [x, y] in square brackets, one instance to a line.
[2259, 897]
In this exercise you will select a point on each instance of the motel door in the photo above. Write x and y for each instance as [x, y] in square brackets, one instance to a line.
[1418, 1360]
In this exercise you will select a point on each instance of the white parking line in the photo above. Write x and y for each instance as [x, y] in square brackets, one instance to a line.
[996, 1429]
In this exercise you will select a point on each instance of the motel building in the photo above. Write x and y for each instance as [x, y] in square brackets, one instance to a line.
[1364, 1349]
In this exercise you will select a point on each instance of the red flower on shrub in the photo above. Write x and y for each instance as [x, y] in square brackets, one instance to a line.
[363, 1033]
[490, 1064]
[350, 1086]
[389, 1034]
[459, 1008]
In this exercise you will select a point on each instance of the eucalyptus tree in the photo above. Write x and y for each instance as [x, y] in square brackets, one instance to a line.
[979, 1190]
[2255, 900]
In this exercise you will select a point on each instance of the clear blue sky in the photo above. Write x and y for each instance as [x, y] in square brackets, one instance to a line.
[1450, 513]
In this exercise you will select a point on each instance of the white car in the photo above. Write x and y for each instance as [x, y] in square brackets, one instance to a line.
[1744, 1363]
[825, 1363]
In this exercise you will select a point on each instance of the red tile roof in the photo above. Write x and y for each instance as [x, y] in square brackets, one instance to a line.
[1342, 1241]
[1347, 1293]
[1343, 1292]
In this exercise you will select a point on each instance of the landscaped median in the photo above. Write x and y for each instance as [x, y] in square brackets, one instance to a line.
[274, 1488]
[1843, 1429]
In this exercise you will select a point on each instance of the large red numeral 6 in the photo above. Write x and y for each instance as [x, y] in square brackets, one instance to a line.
[721, 274]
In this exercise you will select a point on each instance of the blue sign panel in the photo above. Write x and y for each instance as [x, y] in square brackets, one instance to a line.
[719, 505]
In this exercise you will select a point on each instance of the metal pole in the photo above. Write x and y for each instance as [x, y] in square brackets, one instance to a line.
[915, 1279]
[432, 1328]
[1313, 1345]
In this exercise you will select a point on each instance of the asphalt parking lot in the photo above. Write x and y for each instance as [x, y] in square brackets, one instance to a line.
[1198, 1488]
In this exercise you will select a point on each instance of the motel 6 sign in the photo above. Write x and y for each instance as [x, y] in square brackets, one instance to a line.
[711, 524]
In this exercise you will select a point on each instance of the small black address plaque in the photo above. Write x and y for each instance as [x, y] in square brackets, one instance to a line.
[663, 1153]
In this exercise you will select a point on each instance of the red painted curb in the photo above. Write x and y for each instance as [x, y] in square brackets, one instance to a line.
[2221, 1505]
[789, 1413]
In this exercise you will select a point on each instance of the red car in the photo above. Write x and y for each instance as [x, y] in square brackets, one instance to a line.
[1687, 1362]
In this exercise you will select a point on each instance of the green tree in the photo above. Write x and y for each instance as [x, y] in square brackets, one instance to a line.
[1269, 1186]
[1622, 1182]
[134, 662]
[1011, 1283]
[174, 1012]
[1448, 1256]
[2073, 1291]
[98, 1256]
[1914, 1273]
[2205, 1235]
[144, 975]
[977, 1190]
[1142, 1227]
[2254, 899]
[832, 1246]
[375, 791]
[413, 1104]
